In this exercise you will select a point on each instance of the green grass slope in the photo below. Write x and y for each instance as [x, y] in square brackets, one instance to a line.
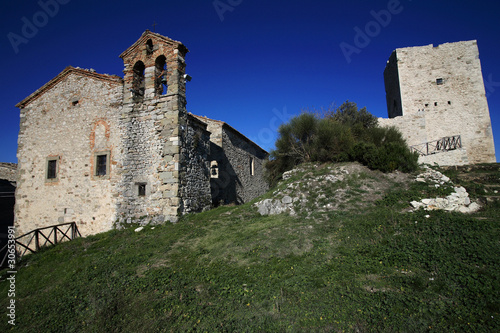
[377, 268]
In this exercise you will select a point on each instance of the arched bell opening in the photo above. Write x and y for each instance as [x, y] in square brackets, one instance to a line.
[138, 83]
[161, 76]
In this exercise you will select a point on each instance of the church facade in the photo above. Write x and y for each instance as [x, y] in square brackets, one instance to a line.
[104, 151]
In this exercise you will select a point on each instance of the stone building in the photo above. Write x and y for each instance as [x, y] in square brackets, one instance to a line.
[438, 92]
[103, 151]
[233, 157]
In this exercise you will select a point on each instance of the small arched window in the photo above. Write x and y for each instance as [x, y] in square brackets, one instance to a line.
[149, 47]
[214, 169]
[161, 76]
[138, 85]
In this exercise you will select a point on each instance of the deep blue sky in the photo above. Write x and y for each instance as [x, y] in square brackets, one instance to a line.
[254, 64]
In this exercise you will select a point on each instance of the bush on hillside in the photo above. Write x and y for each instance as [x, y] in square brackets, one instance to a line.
[349, 114]
[342, 134]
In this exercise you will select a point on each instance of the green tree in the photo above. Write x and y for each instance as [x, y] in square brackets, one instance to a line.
[342, 134]
[349, 114]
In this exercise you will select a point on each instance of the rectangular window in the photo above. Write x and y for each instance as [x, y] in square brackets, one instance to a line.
[439, 81]
[252, 166]
[101, 164]
[141, 189]
[52, 169]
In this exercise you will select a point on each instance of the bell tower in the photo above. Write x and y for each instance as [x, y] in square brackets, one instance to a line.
[153, 121]
[154, 67]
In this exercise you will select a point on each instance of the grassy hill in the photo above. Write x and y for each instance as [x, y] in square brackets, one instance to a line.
[369, 265]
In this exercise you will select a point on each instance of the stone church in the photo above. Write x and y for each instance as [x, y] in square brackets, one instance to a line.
[104, 151]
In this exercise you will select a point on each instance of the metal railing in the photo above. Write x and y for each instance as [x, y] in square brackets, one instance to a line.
[438, 146]
[41, 237]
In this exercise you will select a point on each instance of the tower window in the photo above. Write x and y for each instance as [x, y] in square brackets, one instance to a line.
[52, 169]
[439, 81]
[101, 164]
[141, 189]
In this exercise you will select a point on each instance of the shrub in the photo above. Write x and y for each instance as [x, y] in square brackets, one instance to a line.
[349, 114]
[332, 142]
[344, 134]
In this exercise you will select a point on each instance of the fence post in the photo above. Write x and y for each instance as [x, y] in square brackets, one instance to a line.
[37, 244]
[55, 235]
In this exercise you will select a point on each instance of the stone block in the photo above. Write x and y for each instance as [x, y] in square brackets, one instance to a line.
[168, 149]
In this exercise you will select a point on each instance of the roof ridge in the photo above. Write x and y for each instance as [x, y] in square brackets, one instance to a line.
[145, 35]
[67, 71]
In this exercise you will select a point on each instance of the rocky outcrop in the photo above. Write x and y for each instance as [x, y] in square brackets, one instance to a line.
[308, 189]
[457, 201]
[277, 206]
[318, 189]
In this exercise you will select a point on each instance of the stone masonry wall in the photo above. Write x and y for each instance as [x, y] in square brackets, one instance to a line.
[392, 87]
[152, 123]
[232, 154]
[194, 166]
[240, 154]
[452, 157]
[70, 122]
[150, 153]
[442, 94]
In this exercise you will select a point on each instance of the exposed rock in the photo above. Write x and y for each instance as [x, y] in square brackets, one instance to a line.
[318, 194]
[322, 188]
[458, 201]
[274, 207]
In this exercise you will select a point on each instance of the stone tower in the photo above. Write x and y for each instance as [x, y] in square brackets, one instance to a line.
[435, 92]
[158, 134]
